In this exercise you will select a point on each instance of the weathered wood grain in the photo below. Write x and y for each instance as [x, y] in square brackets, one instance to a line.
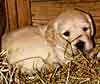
[11, 15]
[23, 13]
[18, 14]
[43, 12]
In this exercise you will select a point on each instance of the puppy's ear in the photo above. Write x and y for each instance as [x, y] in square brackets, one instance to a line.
[90, 20]
[50, 33]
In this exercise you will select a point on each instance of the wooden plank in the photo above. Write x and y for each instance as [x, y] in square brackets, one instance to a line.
[38, 9]
[47, 0]
[97, 19]
[46, 11]
[80, 1]
[11, 15]
[7, 19]
[23, 12]
[40, 21]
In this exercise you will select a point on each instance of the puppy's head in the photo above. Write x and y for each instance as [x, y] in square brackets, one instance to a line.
[74, 26]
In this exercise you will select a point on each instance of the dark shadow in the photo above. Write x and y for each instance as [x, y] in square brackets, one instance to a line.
[2, 19]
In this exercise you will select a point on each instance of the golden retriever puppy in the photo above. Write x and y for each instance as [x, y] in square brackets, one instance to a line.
[35, 46]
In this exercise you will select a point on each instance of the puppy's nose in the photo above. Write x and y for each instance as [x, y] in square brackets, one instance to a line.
[80, 45]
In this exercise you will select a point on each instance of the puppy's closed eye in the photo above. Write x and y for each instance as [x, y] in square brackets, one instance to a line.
[67, 33]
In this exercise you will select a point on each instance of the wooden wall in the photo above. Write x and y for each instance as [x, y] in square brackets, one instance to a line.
[17, 14]
[42, 12]
[18, 11]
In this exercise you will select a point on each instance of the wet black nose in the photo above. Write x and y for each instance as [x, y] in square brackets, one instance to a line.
[80, 45]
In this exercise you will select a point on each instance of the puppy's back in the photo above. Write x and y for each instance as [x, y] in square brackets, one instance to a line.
[25, 47]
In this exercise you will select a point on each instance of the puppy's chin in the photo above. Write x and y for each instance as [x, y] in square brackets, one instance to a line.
[87, 50]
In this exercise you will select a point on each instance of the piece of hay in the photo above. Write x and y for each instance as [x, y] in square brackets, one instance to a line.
[80, 70]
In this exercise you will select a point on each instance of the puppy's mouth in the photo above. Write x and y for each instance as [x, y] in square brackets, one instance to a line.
[80, 45]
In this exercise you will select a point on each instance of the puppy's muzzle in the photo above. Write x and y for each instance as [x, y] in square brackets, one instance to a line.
[80, 45]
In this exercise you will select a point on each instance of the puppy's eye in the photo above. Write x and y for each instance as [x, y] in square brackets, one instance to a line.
[67, 33]
[85, 29]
